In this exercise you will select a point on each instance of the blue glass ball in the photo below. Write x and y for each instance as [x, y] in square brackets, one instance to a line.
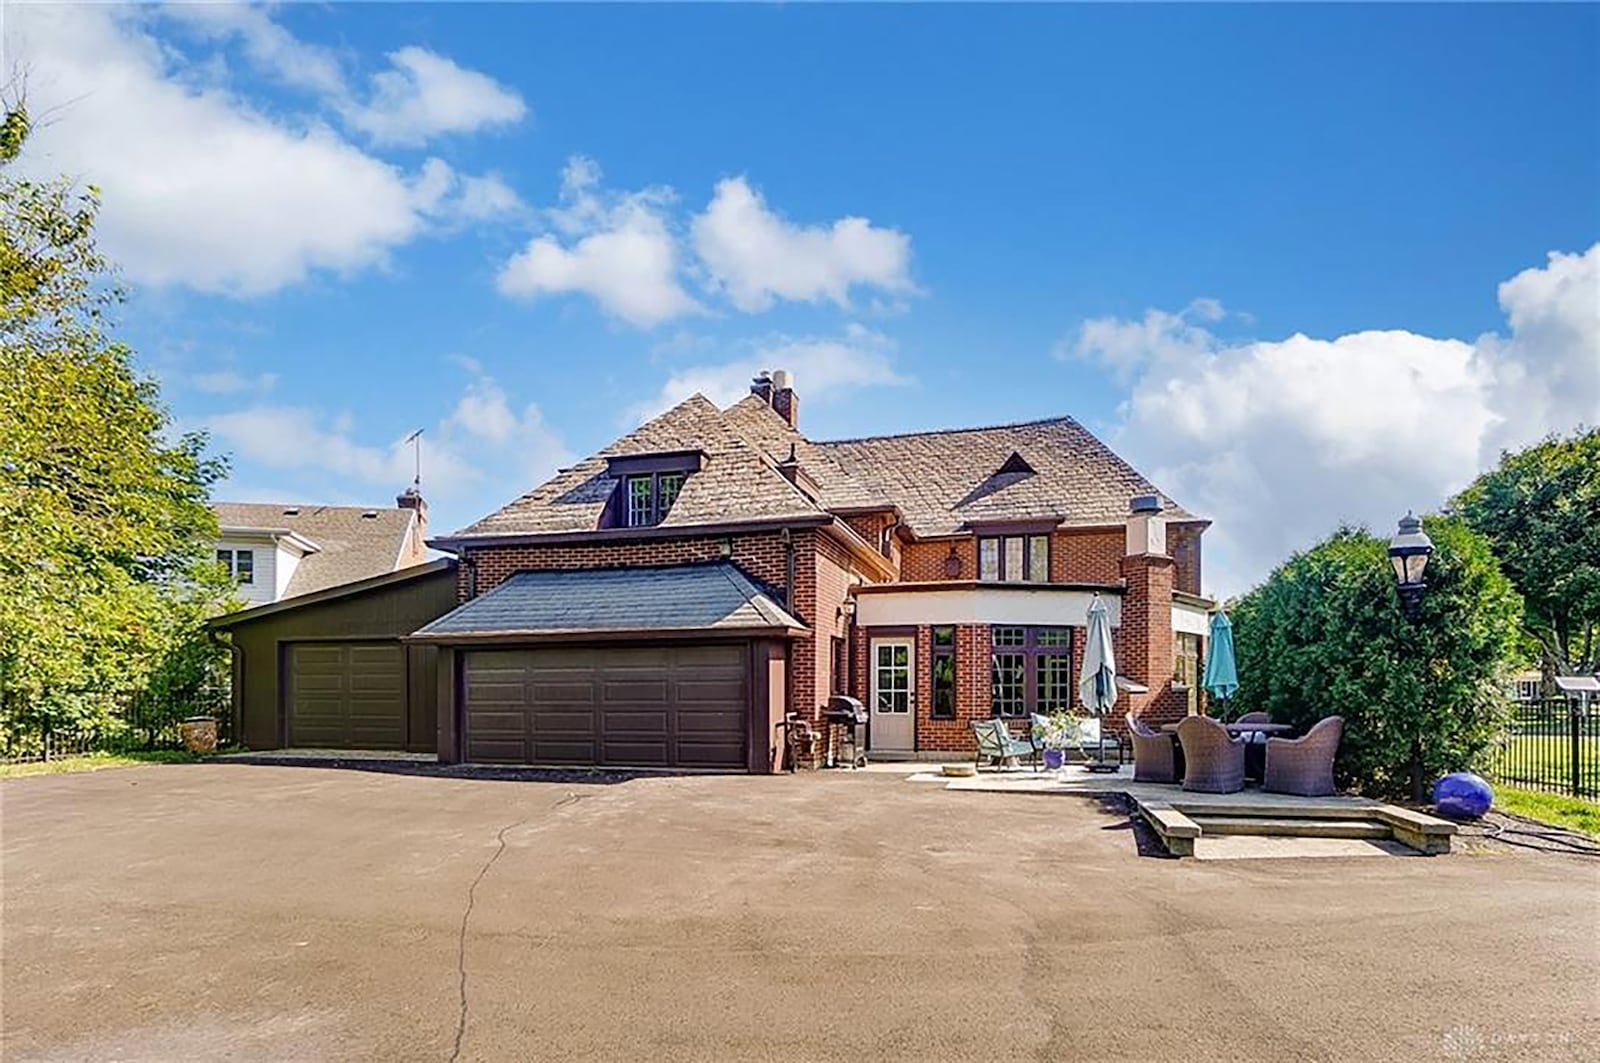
[1462, 795]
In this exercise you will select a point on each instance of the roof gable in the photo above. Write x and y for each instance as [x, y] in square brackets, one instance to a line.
[352, 542]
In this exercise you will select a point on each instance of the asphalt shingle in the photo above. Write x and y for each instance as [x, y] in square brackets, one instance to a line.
[352, 545]
[714, 596]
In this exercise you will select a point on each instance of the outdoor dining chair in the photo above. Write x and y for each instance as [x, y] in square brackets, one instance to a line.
[996, 743]
[1213, 759]
[1153, 757]
[1304, 766]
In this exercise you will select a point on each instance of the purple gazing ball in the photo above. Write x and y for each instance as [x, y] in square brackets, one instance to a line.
[1462, 795]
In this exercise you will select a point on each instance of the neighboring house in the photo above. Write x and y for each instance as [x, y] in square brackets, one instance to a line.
[278, 551]
[1527, 686]
[668, 600]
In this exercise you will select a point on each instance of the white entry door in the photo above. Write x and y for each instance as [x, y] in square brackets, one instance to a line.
[893, 697]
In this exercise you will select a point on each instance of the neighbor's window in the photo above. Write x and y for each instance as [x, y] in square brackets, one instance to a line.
[241, 564]
[1032, 670]
[650, 497]
[944, 673]
[1014, 558]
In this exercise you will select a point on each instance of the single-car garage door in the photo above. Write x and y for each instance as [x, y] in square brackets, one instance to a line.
[347, 695]
[667, 706]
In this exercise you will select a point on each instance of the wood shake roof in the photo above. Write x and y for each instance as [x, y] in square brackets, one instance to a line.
[942, 482]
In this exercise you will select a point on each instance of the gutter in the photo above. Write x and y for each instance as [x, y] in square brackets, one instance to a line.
[623, 535]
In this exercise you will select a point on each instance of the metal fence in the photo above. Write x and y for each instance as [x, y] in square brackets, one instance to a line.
[1552, 745]
[133, 728]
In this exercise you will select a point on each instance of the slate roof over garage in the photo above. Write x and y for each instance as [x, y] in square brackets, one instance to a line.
[715, 597]
[353, 542]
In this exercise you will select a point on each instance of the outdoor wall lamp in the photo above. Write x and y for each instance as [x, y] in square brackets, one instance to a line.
[1409, 551]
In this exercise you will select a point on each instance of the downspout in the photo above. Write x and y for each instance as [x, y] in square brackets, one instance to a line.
[788, 563]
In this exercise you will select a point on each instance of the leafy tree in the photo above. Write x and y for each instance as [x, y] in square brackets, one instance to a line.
[1540, 510]
[105, 571]
[1325, 635]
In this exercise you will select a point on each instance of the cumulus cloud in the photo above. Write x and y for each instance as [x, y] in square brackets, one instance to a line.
[1279, 440]
[824, 367]
[425, 94]
[758, 257]
[230, 382]
[484, 439]
[616, 248]
[200, 187]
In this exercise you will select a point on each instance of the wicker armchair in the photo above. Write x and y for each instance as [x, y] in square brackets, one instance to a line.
[1304, 766]
[1214, 759]
[1152, 753]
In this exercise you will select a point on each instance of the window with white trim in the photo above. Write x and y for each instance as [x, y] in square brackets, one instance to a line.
[240, 564]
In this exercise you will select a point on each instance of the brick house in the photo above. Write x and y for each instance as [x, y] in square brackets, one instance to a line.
[667, 600]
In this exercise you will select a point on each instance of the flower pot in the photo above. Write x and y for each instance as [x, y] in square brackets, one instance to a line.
[1054, 759]
[199, 734]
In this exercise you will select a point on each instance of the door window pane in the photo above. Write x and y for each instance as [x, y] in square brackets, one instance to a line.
[1009, 636]
[1055, 683]
[1006, 685]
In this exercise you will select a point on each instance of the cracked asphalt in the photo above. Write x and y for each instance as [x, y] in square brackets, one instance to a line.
[245, 912]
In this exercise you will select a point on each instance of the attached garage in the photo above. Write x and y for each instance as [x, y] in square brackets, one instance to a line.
[682, 666]
[331, 669]
[683, 706]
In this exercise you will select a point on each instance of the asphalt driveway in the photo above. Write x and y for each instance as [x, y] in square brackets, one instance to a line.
[272, 913]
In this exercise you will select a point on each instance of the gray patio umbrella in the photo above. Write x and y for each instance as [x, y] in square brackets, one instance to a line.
[1097, 684]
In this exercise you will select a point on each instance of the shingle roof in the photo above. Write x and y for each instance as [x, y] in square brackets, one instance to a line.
[714, 596]
[941, 481]
[945, 481]
[738, 481]
[352, 545]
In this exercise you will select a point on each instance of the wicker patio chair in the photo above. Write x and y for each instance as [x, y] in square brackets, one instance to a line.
[1304, 766]
[1153, 759]
[1213, 759]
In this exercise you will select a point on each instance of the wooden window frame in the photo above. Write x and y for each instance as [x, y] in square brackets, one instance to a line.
[1001, 545]
[1038, 644]
[657, 509]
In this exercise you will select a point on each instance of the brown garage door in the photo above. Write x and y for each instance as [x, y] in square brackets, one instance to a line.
[668, 706]
[347, 695]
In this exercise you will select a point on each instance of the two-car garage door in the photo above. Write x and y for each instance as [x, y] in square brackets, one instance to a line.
[678, 706]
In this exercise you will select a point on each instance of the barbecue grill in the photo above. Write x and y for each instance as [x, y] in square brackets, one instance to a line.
[847, 712]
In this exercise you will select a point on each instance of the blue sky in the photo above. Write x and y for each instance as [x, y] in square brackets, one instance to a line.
[1259, 249]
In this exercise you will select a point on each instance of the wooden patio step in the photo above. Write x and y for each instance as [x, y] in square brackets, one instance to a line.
[1292, 826]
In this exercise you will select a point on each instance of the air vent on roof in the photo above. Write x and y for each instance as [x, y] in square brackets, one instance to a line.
[370, 514]
[292, 511]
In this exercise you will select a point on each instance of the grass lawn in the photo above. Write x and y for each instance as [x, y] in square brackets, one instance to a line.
[1555, 809]
[94, 762]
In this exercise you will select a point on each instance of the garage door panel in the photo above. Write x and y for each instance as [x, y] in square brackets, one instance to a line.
[347, 695]
[623, 706]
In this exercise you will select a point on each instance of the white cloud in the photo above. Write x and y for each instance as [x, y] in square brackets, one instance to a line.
[268, 46]
[823, 368]
[1123, 346]
[757, 257]
[1278, 441]
[482, 441]
[201, 188]
[425, 94]
[620, 252]
[229, 382]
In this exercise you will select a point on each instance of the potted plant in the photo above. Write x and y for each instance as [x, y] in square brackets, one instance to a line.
[1057, 733]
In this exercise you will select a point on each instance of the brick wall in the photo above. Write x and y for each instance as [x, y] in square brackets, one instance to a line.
[762, 555]
[1183, 543]
[1077, 555]
[1145, 648]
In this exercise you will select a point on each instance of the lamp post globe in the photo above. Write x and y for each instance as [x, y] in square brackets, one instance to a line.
[1409, 551]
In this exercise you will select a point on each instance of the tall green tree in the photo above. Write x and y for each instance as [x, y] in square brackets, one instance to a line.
[1326, 635]
[105, 571]
[1540, 509]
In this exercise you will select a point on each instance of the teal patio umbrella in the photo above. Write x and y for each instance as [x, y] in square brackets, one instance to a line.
[1097, 683]
[1222, 674]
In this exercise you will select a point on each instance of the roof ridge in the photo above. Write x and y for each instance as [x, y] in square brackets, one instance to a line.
[1062, 419]
[310, 505]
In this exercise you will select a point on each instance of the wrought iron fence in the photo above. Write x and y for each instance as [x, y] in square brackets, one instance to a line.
[1552, 745]
[133, 727]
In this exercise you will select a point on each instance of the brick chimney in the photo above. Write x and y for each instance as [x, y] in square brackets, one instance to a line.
[1145, 646]
[776, 389]
[416, 547]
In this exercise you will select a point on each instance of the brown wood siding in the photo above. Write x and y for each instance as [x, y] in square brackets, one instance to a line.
[631, 706]
[383, 614]
[347, 695]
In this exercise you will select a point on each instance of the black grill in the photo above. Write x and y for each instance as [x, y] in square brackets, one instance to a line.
[847, 712]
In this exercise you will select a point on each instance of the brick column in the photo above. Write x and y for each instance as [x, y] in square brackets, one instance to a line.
[1145, 648]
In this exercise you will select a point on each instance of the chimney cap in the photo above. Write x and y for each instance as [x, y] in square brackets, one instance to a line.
[1145, 504]
[782, 378]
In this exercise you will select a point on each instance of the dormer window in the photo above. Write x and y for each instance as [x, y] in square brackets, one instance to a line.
[650, 498]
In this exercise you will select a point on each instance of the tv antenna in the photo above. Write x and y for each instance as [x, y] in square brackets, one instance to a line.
[415, 439]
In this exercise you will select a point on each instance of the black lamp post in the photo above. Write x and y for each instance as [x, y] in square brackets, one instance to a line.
[1409, 551]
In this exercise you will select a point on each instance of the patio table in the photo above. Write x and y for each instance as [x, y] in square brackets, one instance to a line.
[1255, 754]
